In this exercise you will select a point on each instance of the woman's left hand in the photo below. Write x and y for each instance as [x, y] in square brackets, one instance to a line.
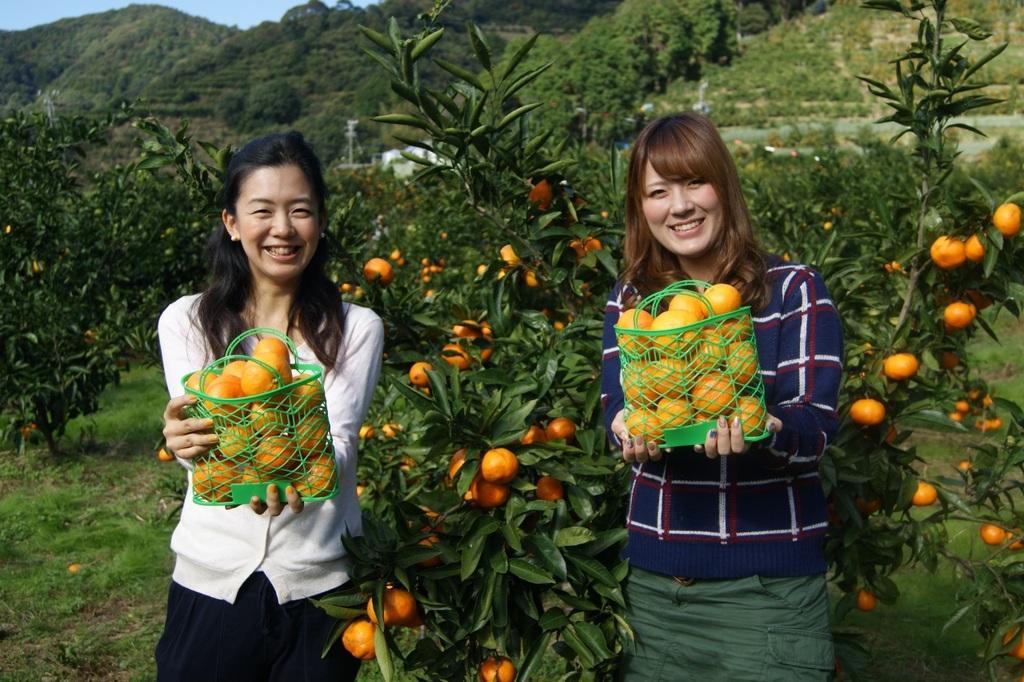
[274, 504]
[727, 438]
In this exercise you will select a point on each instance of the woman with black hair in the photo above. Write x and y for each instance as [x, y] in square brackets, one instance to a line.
[238, 607]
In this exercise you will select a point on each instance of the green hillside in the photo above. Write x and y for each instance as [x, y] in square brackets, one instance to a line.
[804, 69]
[308, 70]
[98, 60]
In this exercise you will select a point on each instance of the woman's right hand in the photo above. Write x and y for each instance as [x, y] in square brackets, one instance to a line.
[186, 437]
[634, 449]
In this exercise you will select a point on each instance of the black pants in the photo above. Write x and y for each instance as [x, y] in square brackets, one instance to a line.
[254, 639]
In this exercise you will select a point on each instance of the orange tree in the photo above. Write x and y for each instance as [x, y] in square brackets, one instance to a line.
[912, 255]
[81, 277]
[499, 565]
[907, 356]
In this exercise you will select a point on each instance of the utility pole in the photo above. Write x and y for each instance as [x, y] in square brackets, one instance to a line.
[350, 134]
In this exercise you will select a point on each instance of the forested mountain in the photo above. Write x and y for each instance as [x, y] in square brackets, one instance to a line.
[609, 58]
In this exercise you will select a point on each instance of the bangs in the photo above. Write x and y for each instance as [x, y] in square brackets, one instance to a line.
[676, 155]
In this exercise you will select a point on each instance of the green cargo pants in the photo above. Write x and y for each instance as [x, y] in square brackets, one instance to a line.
[754, 628]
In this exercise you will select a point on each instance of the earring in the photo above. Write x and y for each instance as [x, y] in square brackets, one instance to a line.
[234, 237]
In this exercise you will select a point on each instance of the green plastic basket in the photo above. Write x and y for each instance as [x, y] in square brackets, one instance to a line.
[678, 380]
[280, 437]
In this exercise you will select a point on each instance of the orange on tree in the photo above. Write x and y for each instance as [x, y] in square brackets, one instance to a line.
[955, 416]
[866, 601]
[974, 249]
[962, 406]
[485, 494]
[949, 360]
[958, 315]
[712, 393]
[457, 460]
[560, 428]
[378, 271]
[948, 252]
[925, 495]
[467, 329]
[900, 366]
[1007, 219]
[509, 255]
[724, 298]
[867, 507]
[964, 465]
[992, 534]
[530, 279]
[534, 434]
[1015, 650]
[497, 669]
[541, 195]
[549, 488]
[400, 607]
[499, 465]
[867, 412]
[357, 638]
[456, 356]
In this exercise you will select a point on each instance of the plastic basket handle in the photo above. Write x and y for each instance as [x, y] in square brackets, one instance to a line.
[268, 331]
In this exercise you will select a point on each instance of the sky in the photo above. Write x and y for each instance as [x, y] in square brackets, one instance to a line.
[16, 15]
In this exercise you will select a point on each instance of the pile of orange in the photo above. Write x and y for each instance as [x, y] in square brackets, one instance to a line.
[693, 371]
[270, 425]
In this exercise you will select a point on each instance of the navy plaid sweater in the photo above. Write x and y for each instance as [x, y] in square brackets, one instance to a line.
[762, 512]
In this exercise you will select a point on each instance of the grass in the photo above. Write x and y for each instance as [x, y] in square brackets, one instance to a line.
[109, 505]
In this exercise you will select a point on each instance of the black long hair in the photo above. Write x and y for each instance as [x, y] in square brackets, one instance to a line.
[316, 311]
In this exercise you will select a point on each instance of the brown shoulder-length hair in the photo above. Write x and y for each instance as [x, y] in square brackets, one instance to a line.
[681, 147]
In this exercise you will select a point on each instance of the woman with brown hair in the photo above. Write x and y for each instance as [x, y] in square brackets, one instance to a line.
[725, 538]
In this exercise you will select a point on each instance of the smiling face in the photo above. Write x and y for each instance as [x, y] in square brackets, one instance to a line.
[685, 216]
[277, 222]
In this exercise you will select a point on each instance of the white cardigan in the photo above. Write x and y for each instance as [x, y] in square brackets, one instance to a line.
[301, 554]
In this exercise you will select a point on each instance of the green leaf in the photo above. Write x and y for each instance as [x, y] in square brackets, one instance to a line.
[407, 120]
[573, 535]
[546, 552]
[594, 569]
[479, 45]
[932, 420]
[516, 113]
[426, 43]
[592, 636]
[520, 53]
[534, 658]
[380, 644]
[970, 28]
[461, 73]
[378, 38]
[989, 56]
[553, 619]
[530, 573]
[472, 545]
